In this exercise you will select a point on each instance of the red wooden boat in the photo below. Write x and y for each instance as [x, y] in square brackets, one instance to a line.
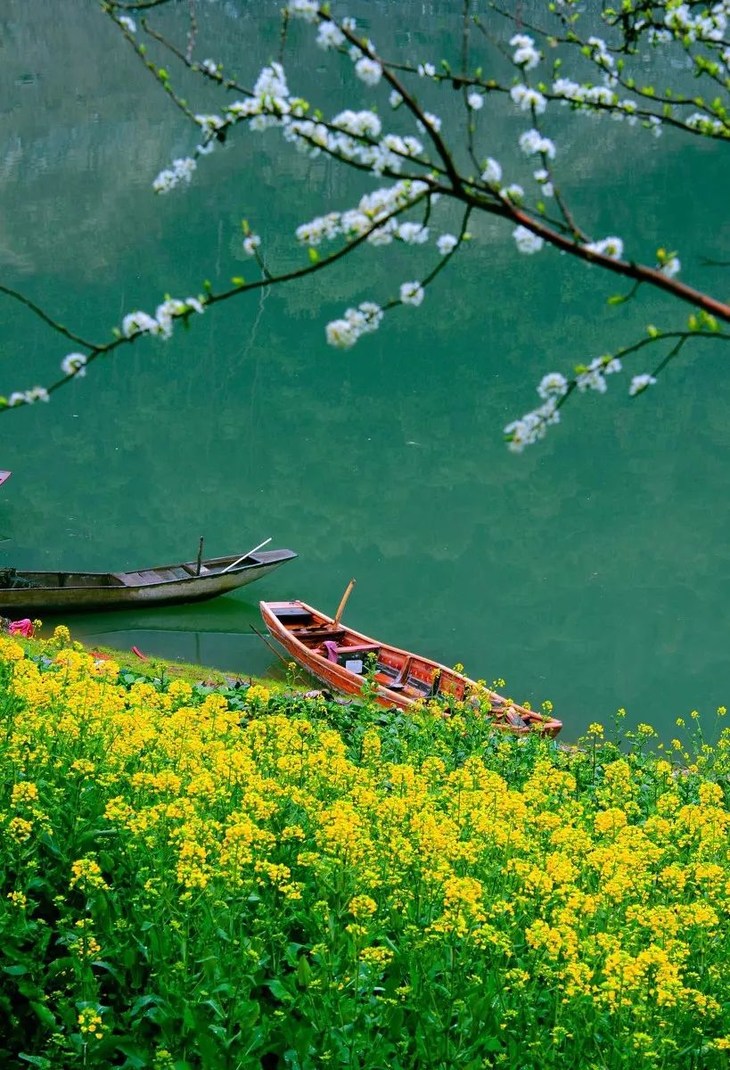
[341, 657]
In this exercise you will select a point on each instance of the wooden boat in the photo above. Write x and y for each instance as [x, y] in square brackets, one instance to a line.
[340, 657]
[32, 593]
[4, 475]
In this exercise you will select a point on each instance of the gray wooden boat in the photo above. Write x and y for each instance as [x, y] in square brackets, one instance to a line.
[30, 593]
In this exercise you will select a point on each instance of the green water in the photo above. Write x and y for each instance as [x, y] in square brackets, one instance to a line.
[592, 570]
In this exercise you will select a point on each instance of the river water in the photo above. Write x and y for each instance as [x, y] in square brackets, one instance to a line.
[592, 570]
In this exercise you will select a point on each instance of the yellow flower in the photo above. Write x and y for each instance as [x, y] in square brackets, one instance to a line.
[61, 635]
[19, 829]
[376, 956]
[362, 906]
[90, 1024]
[86, 875]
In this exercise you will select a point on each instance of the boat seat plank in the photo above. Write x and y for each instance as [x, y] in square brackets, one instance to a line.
[137, 579]
[292, 614]
[305, 634]
[359, 648]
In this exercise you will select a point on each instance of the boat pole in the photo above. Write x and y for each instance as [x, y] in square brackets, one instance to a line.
[200, 555]
[263, 638]
[343, 603]
[244, 556]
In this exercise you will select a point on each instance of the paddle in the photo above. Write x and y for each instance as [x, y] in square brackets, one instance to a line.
[269, 645]
[343, 603]
[244, 556]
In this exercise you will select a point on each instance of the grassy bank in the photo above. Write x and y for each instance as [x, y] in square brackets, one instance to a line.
[206, 876]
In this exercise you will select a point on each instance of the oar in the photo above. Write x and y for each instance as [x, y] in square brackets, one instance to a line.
[265, 640]
[343, 603]
[244, 556]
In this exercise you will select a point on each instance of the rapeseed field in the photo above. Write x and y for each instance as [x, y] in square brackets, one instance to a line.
[194, 879]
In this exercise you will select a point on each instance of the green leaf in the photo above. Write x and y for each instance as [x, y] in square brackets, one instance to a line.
[304, 972]
[238, 280]
[45, 1016]
[279, 992]
[136, 1057]
[313, 255]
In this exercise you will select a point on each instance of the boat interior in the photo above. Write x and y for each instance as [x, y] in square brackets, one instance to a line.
[395, 669]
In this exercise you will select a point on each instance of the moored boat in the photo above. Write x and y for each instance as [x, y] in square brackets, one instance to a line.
[33, 593]
[345, 659]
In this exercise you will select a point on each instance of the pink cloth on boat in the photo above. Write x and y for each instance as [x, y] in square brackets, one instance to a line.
[21, 627]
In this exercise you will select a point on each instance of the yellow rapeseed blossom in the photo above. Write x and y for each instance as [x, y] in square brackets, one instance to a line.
[362, 906]
[90, 1024]
[86, 876]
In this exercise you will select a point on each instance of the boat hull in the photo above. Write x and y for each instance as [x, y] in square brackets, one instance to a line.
[414, 678]
[159, 586]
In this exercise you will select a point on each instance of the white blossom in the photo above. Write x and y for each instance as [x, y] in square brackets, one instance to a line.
[446, 243]
[209, 66]
[73, 364]
[527, 241]
[138, 323]
[343, 333]
[250, 244]
[526, 55]
[181, 171]
[329, 35]
[600, 53]
[532, 142]
[360, 123]
[552, 384]
[658, 37]
[368, 70]
[611, 247]
[543, 177]
[129, 24]
[16, 398]
[430, 120]
[475, 101]
[412, 233]
[271, 88]
[411, 293]
[514, 193]
[528, 99]
[671, 267]
[320, 229]
[426, 70]
[639, 383]
[591, 379]
[395, 98]
[533, 425]
[492, 173]
[210, 123]
[36, 393]
[303, 9]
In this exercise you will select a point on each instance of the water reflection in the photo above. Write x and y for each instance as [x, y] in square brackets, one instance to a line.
[593, 571]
